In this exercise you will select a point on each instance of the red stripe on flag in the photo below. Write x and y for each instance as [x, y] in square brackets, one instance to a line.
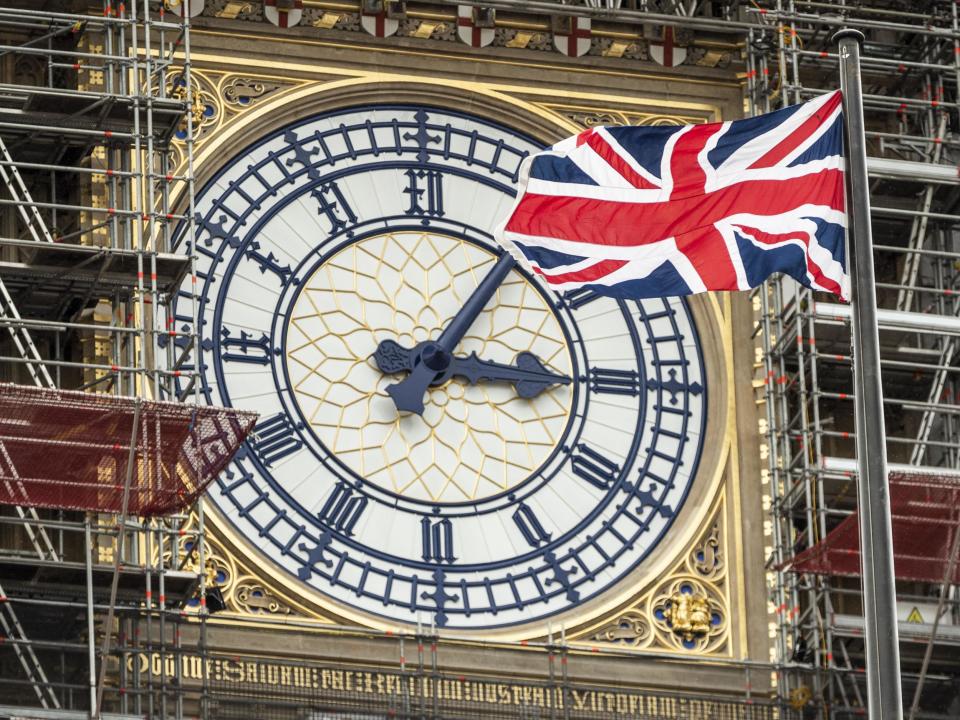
[815, 270]
[626, 224]
[588, 274]
[685, 170]
[790, 143]
[707, 252]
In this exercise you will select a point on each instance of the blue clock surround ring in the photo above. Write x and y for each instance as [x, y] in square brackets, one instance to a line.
[570, 571]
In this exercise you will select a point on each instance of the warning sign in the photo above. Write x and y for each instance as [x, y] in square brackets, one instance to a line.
[921, 613]
[914, 616]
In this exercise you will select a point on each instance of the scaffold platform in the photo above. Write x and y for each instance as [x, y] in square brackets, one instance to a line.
[47, 273]
[79, 451]
[925, 511]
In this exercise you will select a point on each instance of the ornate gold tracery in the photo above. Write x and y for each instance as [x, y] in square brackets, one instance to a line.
[472, 440]
[687, 611]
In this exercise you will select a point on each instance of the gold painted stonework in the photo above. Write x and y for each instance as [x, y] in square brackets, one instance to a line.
[245, 591]
[243, 92]
[587, 117]
[800, 697]
[218, 98]
[253, 597]
[233, 9]
[530, 32]
[688, 614]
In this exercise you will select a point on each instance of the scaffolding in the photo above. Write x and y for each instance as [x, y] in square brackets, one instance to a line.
[89, 105]
[804, 375]
[99, 464]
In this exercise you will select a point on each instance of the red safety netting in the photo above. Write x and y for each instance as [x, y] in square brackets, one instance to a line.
[925, 510]
[70, 450]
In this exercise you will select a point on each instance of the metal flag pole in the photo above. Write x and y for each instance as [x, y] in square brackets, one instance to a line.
[873, 489]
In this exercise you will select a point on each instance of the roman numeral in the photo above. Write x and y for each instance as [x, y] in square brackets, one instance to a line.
[334, 206]
[530, 526]
[594, 467]
[437, 540]
[425, 188]
[244, 349]
[342, 509]
[576, 299]
[275, 439]
[614, 382]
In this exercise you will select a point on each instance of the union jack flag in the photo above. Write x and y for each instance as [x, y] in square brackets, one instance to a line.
[639, 212]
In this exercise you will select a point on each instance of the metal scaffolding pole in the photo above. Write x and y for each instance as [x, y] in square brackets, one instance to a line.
[114, 159]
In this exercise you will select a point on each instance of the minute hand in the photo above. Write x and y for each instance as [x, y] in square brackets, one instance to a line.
[435, 359]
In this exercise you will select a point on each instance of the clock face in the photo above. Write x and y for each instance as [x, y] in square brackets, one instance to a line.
[503, 503]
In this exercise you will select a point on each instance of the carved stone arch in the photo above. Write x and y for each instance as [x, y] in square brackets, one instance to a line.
[295, 104]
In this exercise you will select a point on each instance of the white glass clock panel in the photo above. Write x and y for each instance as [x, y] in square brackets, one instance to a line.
[373, 224]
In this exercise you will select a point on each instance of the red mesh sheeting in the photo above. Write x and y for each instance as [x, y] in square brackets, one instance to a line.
[69, 450]
[926, 513]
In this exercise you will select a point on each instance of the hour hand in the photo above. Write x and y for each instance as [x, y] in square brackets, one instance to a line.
[392, 357]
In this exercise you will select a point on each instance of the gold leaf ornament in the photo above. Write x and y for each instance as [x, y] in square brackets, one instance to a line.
[688, 614]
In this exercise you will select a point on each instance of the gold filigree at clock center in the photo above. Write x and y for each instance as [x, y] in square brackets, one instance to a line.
[472, 441]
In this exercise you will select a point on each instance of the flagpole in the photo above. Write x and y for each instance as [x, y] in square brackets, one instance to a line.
[881, 637]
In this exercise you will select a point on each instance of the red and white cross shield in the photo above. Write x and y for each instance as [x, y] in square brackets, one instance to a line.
[379, 25]
[665, 52]
[577, 43]
[283, 16]
[468, 32]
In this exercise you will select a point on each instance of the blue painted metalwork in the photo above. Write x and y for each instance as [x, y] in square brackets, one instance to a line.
[431, 361]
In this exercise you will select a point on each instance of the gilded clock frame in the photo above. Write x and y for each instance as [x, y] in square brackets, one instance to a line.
[238, 99]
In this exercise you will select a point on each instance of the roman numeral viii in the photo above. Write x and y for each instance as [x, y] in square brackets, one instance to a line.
[275, 439]
[343, 508]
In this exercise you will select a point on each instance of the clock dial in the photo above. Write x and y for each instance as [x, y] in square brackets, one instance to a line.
[473, 441]
[363, 231]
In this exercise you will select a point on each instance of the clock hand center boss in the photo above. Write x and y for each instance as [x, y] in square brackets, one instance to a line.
[431, 361]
